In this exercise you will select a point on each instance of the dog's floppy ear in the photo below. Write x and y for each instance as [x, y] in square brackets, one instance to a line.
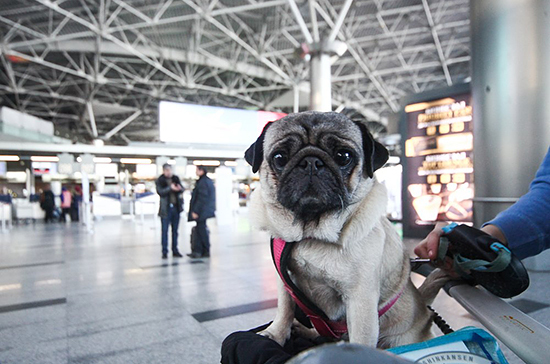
[254, 155]
[376, 155]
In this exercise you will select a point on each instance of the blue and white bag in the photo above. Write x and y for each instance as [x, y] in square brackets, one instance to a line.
[467, 345]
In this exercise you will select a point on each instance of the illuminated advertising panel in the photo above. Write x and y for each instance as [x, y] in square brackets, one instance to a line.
[439, 157]
[199, 124]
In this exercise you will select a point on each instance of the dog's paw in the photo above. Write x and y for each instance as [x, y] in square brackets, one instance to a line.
[302, 331]
[277, 336]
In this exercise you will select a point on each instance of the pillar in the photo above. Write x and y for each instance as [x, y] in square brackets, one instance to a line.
[320, 79]
[511, 99]
[321, 53]
[224, 193]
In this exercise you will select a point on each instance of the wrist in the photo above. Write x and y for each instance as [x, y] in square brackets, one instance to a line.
[493, 230]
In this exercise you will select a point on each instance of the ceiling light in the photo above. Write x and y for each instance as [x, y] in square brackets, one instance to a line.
[103, 160]
[9, 158]
[231, 163]
[42, 158]
[135, 161]
[207, 163]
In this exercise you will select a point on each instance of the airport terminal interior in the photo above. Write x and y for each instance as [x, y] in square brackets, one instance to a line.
[119, 118]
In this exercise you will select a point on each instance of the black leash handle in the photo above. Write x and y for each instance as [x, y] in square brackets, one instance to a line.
[440, 322]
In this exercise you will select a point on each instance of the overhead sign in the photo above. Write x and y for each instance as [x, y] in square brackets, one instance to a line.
[42, 168]
[181, 166]
[87, 165]
[65, 165]
[439, 157]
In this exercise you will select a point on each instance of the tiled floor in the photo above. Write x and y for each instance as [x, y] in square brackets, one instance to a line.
[67, 296]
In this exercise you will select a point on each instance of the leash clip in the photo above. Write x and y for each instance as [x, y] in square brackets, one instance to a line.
[418, 262]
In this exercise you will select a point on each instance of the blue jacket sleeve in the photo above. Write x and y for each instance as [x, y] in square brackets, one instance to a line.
[526, 224]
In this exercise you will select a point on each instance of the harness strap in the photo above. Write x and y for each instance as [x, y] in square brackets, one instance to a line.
[281, 252]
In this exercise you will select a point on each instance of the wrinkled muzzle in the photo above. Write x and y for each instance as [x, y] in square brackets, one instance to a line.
[311, 185]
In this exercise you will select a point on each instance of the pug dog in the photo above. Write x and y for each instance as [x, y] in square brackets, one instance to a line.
[317, 189]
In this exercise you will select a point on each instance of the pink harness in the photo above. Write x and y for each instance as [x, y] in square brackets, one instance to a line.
[280, 251]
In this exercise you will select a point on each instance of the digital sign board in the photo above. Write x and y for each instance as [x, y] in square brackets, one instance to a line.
[438, 181]
[212, 125]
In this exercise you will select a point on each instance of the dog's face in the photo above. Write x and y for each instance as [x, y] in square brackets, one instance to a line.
[313, 162]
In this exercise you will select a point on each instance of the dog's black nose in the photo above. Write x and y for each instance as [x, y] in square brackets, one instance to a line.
[311, 164]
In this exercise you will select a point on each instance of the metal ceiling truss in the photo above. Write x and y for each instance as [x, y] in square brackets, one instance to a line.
[59, 57]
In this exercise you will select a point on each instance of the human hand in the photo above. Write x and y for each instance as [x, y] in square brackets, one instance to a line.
[194, 215]
[428, 248]
[175, 187]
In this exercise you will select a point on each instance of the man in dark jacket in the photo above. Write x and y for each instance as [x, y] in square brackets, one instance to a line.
[171, 205]
[202, 207]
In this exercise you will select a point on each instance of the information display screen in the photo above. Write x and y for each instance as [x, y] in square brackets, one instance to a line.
[199, 124]
[439, 155]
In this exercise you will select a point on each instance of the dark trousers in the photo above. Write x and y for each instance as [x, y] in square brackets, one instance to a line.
[49, 215]
[203, 239]
[74, 213]
[172, 219]
[64, 212]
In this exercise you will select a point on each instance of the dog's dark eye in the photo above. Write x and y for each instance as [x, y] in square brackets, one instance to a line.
[343, 157]
[280, 160]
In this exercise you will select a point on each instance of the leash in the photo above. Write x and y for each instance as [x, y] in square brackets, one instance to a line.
[423, 267]
[440, 322]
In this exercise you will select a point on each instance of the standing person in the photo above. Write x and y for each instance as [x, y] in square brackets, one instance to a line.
[47, 203]
[66, 201]
[170, 189]
[77, 199]
[202, 207]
